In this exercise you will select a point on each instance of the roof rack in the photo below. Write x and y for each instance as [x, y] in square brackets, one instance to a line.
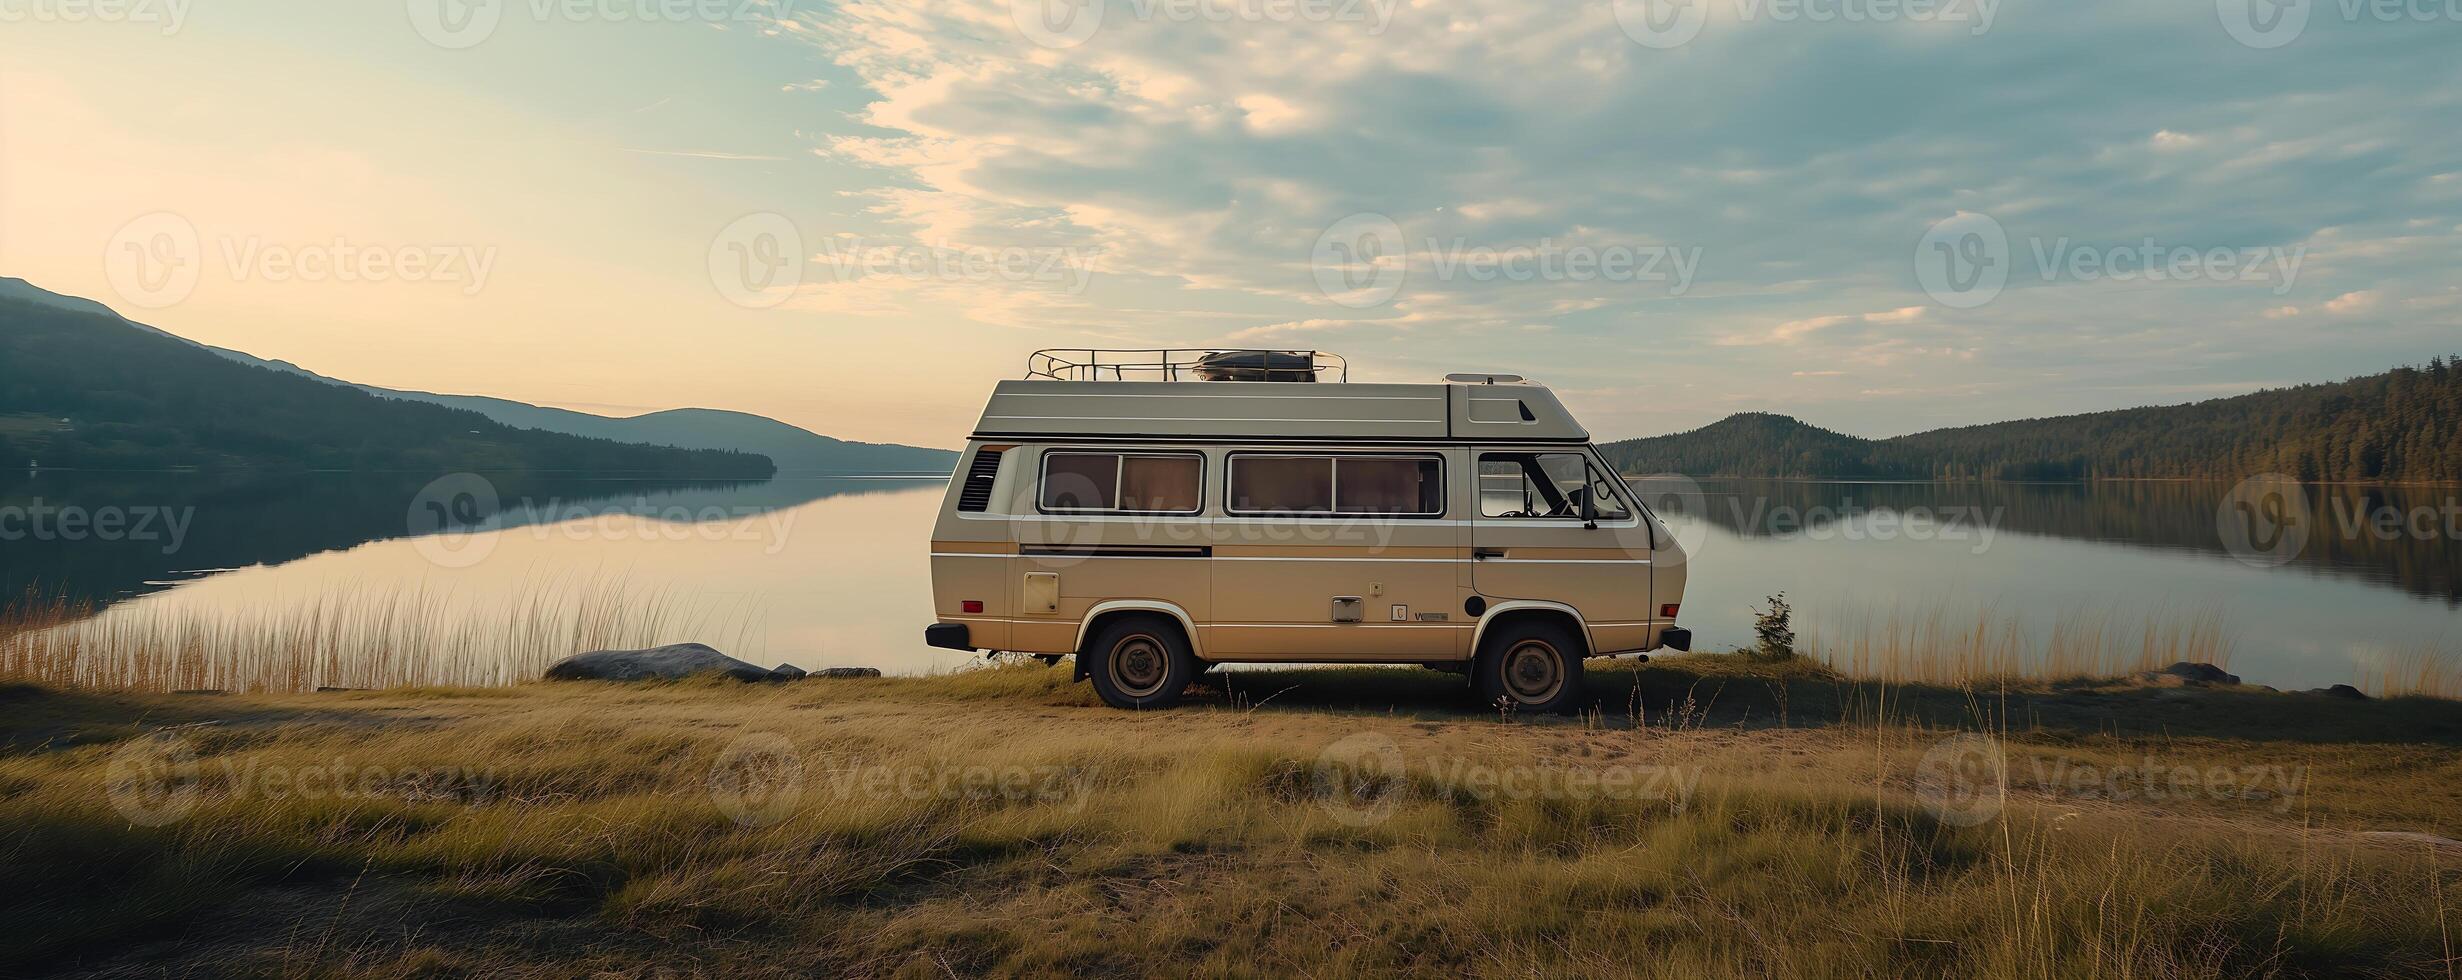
[1185, 364]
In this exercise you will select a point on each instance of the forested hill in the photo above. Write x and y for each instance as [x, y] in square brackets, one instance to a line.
[2401, 426]
[87, 389]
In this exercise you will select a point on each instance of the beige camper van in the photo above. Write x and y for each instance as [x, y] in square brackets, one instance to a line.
[1152, 513]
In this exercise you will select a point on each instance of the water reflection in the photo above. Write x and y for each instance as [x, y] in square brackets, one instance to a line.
[2408, 538]
[833, 571]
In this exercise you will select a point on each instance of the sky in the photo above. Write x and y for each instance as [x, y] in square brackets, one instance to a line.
[1880, 216]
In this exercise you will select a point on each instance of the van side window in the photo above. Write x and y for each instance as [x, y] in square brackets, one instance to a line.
[1545, 485]
[1330, 485]
[1127, 483]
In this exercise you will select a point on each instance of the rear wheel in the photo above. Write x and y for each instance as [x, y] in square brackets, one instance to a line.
[1139, 662]
[1532, 664]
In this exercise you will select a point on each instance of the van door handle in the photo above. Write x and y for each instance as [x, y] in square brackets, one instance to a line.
[1478, 553]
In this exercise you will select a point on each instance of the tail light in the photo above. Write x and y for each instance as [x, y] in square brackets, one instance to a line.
[1667, 611]
[976, 605]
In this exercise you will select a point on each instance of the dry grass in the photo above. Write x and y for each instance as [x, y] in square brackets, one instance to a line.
[998, 821]
[345, 637]
[2424, 672]
[1930, 648]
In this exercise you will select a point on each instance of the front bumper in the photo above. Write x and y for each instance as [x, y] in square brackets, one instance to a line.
[948, 636]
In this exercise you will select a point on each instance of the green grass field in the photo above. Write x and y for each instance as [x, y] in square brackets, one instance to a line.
[1712, 816]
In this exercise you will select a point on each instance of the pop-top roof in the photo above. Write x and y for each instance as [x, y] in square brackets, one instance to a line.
[1275, 410]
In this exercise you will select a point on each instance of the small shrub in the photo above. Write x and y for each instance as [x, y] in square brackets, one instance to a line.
[1774, 625]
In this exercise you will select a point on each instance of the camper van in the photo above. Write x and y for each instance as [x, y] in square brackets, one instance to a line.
[1153, 513]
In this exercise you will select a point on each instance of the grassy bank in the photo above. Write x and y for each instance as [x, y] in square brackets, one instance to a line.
[1714, 817]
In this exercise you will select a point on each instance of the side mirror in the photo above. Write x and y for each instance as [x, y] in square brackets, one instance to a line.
[1589, 508]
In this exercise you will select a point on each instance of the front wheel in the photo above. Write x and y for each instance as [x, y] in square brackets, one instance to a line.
[1139, 662]
[1530, 665]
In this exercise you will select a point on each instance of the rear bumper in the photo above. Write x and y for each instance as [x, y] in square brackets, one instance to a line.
[948, 636]
[1675, 638]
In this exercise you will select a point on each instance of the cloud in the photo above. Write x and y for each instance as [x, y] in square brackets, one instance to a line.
[2349, 304]
[1206, 160]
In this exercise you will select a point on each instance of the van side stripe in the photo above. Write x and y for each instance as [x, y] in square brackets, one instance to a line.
[1098, 551]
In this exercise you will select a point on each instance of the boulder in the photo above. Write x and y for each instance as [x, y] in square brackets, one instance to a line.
[843, 673]
[788, 672]
[2343, 691]
[2186, 674]
[657, 663]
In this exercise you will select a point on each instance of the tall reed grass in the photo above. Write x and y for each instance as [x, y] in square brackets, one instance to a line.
[2422, 672]
[351, 637]
[1931, 648]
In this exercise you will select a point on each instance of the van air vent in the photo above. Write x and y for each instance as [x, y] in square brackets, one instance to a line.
[976, 496]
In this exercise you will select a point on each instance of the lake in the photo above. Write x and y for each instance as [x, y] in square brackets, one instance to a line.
[831, 571]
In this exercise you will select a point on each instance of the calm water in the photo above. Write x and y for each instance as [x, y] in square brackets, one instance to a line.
[832, 571]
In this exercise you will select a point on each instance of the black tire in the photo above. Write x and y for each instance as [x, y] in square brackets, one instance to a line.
[1533, 663]
[1139, 662]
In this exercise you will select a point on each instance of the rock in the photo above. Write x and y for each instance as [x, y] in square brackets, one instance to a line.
[2343, 691]
[2186, 674]
[788, 672]
[844, 673]
[658, 663]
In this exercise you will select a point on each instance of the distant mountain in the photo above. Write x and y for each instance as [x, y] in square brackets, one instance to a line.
[792, 448]
[87, 389]
[2404, 425]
